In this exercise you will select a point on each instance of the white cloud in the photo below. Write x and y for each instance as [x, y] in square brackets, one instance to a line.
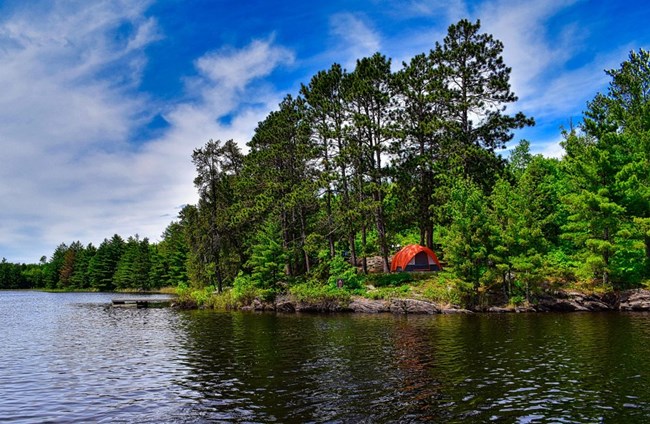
[233, 68]
[69, 171]
[451, 11]
[529, 49]
[354, 38]
[549, 148]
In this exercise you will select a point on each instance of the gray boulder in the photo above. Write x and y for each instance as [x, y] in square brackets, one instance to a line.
[635, 300]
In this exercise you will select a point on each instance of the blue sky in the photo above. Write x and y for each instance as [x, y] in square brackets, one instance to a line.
[102, 102]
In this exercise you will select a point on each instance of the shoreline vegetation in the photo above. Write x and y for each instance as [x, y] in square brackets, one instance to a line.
[361, 162]
[421, 294]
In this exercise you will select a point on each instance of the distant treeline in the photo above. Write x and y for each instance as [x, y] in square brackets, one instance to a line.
[115, 265]
[361, 162]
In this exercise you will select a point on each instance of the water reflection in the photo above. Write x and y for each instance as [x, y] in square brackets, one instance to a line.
[73, 358]
[384, 368]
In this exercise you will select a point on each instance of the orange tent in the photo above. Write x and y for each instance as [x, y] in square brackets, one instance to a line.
[415, 258]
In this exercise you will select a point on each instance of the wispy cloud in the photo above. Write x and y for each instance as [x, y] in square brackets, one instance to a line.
[353, 38]
[69, 170]
[449, 11]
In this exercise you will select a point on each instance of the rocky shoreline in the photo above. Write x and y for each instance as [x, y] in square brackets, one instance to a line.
[556, 301]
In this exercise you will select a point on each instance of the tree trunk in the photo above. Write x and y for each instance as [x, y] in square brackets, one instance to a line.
[303, 235]
[429, 234]
[288, 269]
[381, 232]
[353, 248]
[606, 258]
[646, 239]
[364, 261]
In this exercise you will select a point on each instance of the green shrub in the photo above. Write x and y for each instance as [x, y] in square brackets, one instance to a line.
[245, 290]
[388, 292]
[517, 300]
[340, 269]
[447, 289]
[392, 279]
[308, 292]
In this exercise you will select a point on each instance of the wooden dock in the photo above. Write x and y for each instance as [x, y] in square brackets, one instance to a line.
[142, 303]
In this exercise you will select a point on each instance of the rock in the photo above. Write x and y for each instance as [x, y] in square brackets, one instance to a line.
[634, 300]
[454, 310]
[322, 306]
[524, 309]
[375, 264]
[369, 306]
[413, 306]
[257, 305]
[499, 310]
[284, 304]
[571, 301]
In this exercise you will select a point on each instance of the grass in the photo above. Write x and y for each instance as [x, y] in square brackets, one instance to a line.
[387, 293]
[311, 293]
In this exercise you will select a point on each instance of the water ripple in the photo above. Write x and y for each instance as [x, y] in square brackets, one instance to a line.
[73, 358]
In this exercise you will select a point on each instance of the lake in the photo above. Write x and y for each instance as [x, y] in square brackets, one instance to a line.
[74, 358]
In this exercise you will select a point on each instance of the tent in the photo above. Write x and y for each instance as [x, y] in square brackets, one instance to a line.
[415, 258]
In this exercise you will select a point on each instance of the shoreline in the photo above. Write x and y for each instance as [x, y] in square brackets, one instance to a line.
[633, 300]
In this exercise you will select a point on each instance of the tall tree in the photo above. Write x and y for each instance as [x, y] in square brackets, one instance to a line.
[596, 213]
[370, 100]
[470, 237]
[621, 118]
[477, 83]
[326, 113]
[217, 165]
[283, 178]
[103, 265]
[54, 266]
[418, 149]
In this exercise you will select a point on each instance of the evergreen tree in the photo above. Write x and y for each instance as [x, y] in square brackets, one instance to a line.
[621, 118]
[283, 180]
[217, 166]
[518, 240]
[370, 101]
[469, 240]
[418, 149]
[477, 92]
[80, 278]
[103, 265]
[53, 267]
[595, 212]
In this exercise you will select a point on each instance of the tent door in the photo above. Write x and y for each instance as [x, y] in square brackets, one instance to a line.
[421, 260]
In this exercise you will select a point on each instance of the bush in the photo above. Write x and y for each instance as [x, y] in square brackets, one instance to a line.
[560, 265]
[392, 280]
[307, 292]
[517, 300]
[245, 290]
[340, 269]
[448, 290]
[388, 292]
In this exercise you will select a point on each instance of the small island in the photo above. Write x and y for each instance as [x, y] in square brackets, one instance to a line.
[360, 163]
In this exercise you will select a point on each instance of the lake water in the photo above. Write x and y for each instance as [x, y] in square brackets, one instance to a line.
[74, 358]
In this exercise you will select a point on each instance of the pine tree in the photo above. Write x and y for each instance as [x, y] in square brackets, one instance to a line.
[469, 240]
[477, 91]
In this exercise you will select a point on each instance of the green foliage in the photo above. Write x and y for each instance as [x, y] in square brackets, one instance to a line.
[268, 258]
[392, 279]
[447, 289]
[245, 290]
[313, 293]
[340, 269]
[389, 292]
[469, 238]
[316, 187]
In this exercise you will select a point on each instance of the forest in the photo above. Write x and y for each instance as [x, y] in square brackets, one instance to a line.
[361, 162]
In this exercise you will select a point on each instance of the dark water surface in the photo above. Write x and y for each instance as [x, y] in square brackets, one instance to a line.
[73, 358]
